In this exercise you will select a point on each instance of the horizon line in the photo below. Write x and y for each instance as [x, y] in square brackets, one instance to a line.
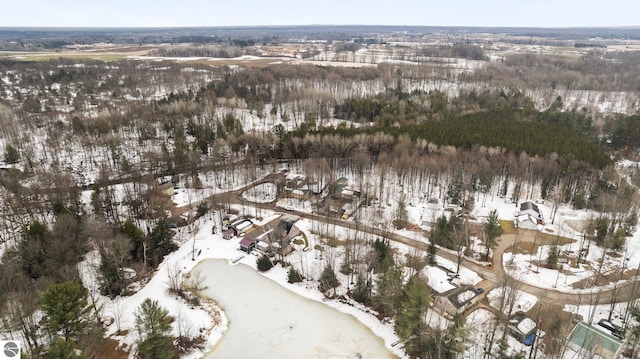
[74, 27]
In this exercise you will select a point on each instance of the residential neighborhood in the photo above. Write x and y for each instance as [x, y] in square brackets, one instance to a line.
[319, 191]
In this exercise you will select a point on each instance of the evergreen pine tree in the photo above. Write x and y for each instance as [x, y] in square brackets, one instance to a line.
[384, 257]
[328, 279]
[137, 238]
[293, 276]
[431, 256]
[388, 290]
[362, 291]
[402, 216]
[96, 202]
[61, 349]
[264, 263]
[154, 328]
[161, 242]
[456, 336]
[413, 307]
[66, 308]
[552, 259]
[492, 231]
[11, 155]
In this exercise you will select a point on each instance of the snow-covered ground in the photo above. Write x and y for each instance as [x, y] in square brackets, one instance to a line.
[263, 193]
[310, 262]
[522, 301]
[293, 204]
[480, 323]
[420, 211]
[198, 243]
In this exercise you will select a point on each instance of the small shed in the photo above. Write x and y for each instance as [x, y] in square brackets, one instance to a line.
[243, 226]
[247, 245]
[229, 233]
[263, 246]
[522, 328]
[526, 221]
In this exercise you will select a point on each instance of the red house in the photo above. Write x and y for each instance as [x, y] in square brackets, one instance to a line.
[247, 245]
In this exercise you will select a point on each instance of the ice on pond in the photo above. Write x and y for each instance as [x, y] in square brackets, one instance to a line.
[268, 321]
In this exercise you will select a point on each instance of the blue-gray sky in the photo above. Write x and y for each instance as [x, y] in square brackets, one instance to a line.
[165, 13]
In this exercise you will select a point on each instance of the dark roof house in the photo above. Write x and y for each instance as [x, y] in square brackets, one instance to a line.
[529, 216]
[229, 233]
[247, 245]
[456, 300]
[522, 328]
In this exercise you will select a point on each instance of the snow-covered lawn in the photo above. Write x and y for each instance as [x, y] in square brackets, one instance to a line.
[262, 193]
[480, 323]
[293, 204]
[523, 301]
[539, 276]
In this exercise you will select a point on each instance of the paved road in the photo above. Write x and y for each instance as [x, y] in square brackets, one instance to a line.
[494, 274]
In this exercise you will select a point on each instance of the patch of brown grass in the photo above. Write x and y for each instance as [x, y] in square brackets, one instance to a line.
[529, 241]
[604, 279]
[105, 348]
[508, 227]
[555, 322]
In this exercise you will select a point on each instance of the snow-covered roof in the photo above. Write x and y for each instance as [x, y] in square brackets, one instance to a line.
[263, 246]
[437, 279]
[527, 217]
[347, 192]
[465, 296]
[294, 176]
[244, 225]
[526, 325]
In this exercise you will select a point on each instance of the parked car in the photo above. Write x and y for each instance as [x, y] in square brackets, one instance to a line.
[479, 291]
[528, 341]
[288, 208]
[615, 329]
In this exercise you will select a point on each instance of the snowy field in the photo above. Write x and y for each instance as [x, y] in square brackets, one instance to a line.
[263, 193]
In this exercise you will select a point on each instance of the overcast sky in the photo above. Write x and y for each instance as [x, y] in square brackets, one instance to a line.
[165, 13]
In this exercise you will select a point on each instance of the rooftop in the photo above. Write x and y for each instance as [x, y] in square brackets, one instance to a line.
[585, 338]
[529, 205]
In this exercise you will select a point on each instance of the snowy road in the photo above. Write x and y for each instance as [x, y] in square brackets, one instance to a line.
[495, 273]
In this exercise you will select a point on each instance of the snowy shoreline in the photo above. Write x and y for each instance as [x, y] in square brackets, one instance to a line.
[325, 334]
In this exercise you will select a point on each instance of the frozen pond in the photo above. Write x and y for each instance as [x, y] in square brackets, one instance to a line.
[268, 321]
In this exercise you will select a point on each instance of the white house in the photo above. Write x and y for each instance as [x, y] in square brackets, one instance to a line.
[529, 216]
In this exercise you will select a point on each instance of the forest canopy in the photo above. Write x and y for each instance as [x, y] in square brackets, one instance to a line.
[495, 129]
